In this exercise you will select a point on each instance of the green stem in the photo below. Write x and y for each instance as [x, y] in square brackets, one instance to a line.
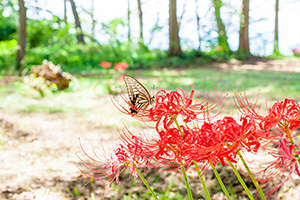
[287, 132]
[146, 183]
[291, 140]
[178, 126]
[261, 194]
[220, 181]
[202, 181]
[241, 180]
[187, 185]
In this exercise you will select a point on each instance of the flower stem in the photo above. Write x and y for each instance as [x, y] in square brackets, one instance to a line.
[146, 183]
[220, 181]
[202, 181]
[288, 134]
[187, 185]
[178, 126]
[261, 194]
[241, 180]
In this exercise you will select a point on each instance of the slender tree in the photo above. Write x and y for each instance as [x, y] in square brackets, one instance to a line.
[21, 36]
[182, 14]
[128, 20]
[174, 41]
[141, 41]
[79, 34]
[65, 12]
[198, 26]
[276, 46]
[93, 19]
[244, 29]
[222, 37]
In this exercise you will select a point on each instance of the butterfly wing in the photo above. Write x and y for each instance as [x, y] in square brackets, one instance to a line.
[138, 94]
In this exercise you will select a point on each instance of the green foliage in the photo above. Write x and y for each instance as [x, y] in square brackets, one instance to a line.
[85, 58]
[8, 50]
[71, 57]
[47, 33]
[51, 40]
[39, 32]
[76, 192]
[8, 27]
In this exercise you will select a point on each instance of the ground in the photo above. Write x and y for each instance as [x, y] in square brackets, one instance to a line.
[40, 151]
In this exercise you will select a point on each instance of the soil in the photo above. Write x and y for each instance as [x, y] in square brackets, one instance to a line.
[39, 152]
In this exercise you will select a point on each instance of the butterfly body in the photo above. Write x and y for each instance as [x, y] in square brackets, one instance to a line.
[138, 95]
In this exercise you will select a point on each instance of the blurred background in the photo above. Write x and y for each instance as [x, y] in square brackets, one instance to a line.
[60, 60]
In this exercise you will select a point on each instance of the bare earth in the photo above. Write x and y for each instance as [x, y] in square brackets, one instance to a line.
[38, 150]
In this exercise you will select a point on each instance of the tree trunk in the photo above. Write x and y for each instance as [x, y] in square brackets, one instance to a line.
[222, 37]
[65, 12]
[174, 42]
[128, 20]
[244, 28]
[21, 36]
[198, 26]
[141, 41]
[276, 46]
[79, 34]
[93, 19]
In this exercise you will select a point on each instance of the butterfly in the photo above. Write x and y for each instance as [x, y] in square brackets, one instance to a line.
[138, 95]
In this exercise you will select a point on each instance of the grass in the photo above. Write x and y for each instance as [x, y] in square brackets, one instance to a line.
[273, 86]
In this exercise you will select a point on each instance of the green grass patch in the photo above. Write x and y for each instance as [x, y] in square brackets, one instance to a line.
[272, 86]
[44, 108]
[275, 85]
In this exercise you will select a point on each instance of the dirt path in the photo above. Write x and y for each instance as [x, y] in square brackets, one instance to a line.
[38, 153]
[258, 64]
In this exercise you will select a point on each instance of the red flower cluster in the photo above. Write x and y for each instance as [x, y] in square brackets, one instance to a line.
[281, 123]
[287, 159]
[123, 157]
[296, 51]
[220, 141]
[202, 139]
[105, 64]
[170, 105]
[119, 66]
[284, 115]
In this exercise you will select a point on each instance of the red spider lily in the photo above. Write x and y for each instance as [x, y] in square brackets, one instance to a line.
[121, 159]
[296, 51]
[105, 64]
[285, 114]
[221, 140]
[247, 108]
[175, 103]
[166, 150]
[168, 106]
[121, 66]
[287, 160]
[171, 149]
[120, 78]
